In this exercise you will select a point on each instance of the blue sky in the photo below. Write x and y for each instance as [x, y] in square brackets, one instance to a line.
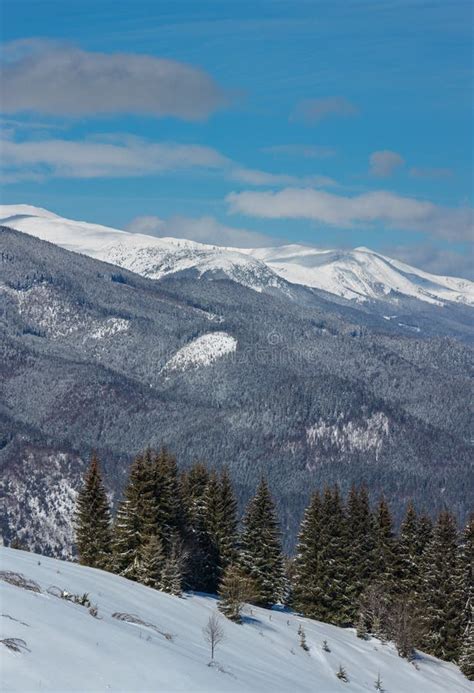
[331, 123]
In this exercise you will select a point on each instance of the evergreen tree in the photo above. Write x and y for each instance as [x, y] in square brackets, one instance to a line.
[135, 521]
[409, 557]
[334, 604]
[92, 520]
[385, 556]
[261, 557]
[227, 523]
[235, 589]
[361, 546]
[173, 568]
[152, 563]
[441, 612]
[306, 591]
[169, 511]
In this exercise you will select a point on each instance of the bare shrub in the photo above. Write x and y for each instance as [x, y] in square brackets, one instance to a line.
[19, 580]
[132, 618]
[213, 633]
[15, 644]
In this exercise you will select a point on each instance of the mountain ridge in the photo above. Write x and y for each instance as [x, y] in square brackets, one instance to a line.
[359, 275]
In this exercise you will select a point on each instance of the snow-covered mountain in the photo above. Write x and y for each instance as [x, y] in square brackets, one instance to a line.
[360, 275]
[62, 647]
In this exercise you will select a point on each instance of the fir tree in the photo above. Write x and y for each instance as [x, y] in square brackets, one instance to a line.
[92, 520]
[441, 613]
[227, 523]
[306, 593]
[261, 557]
[385, 556]
[173, 568]
[169, 511]
[334, 605]
[361, 546]
[152, 563]
[135, 521]
[409, 557]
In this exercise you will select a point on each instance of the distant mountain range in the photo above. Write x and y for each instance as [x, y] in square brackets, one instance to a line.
[359, 275]
[216, 354]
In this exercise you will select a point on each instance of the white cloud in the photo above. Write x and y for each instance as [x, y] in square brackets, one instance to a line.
[205, 229]
[384, 163]
[101, 157]
[117, 156]
[379, 207]
[312, 111]
[58, 79]
[304, 151]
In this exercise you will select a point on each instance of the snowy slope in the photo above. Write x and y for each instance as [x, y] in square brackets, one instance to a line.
[70, 650]
[359, 274]
[202, 351]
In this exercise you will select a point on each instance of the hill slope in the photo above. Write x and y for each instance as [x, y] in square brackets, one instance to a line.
[69, 650]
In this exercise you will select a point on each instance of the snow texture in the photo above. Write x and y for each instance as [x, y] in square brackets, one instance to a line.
[70, 650]
[202, 351]
[360, 275]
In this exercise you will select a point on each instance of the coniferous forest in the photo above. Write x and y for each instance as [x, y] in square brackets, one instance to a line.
[179, 530]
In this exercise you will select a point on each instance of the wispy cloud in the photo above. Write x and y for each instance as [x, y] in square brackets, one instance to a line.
[205, 229]
[384, 163]
[121, 156]
[312, 111]
[57, 79]
[420, 172]
[372, 208]
[435, 260]
[257, 178]
[111, 157]
[304, 151]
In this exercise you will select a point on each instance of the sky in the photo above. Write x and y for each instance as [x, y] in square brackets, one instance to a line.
[330, 123]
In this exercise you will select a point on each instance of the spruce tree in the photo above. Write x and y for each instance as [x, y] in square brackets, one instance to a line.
[169, 511]
[441, 612]
[385, 552]
[334, 598]
[306, 593]
[409, 558]
[261, 557]
[173, 568]
[227, 524]
[152, 563]
[135, 521]
[92, 520]
[361, 546]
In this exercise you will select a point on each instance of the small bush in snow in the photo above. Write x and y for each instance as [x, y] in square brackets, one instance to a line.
[15, 644]
[326, 647]
[19, 580]
[341, 674]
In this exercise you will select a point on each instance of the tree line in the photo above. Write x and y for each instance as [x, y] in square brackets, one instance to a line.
[178, 531]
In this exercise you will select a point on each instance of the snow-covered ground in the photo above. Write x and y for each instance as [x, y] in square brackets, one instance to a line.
[360, 274]
[202, 351]
[70, 650]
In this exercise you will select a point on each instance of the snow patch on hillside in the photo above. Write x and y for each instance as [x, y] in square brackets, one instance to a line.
[70, 650]
[351, 435]
[45, 310]
[202, 351]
